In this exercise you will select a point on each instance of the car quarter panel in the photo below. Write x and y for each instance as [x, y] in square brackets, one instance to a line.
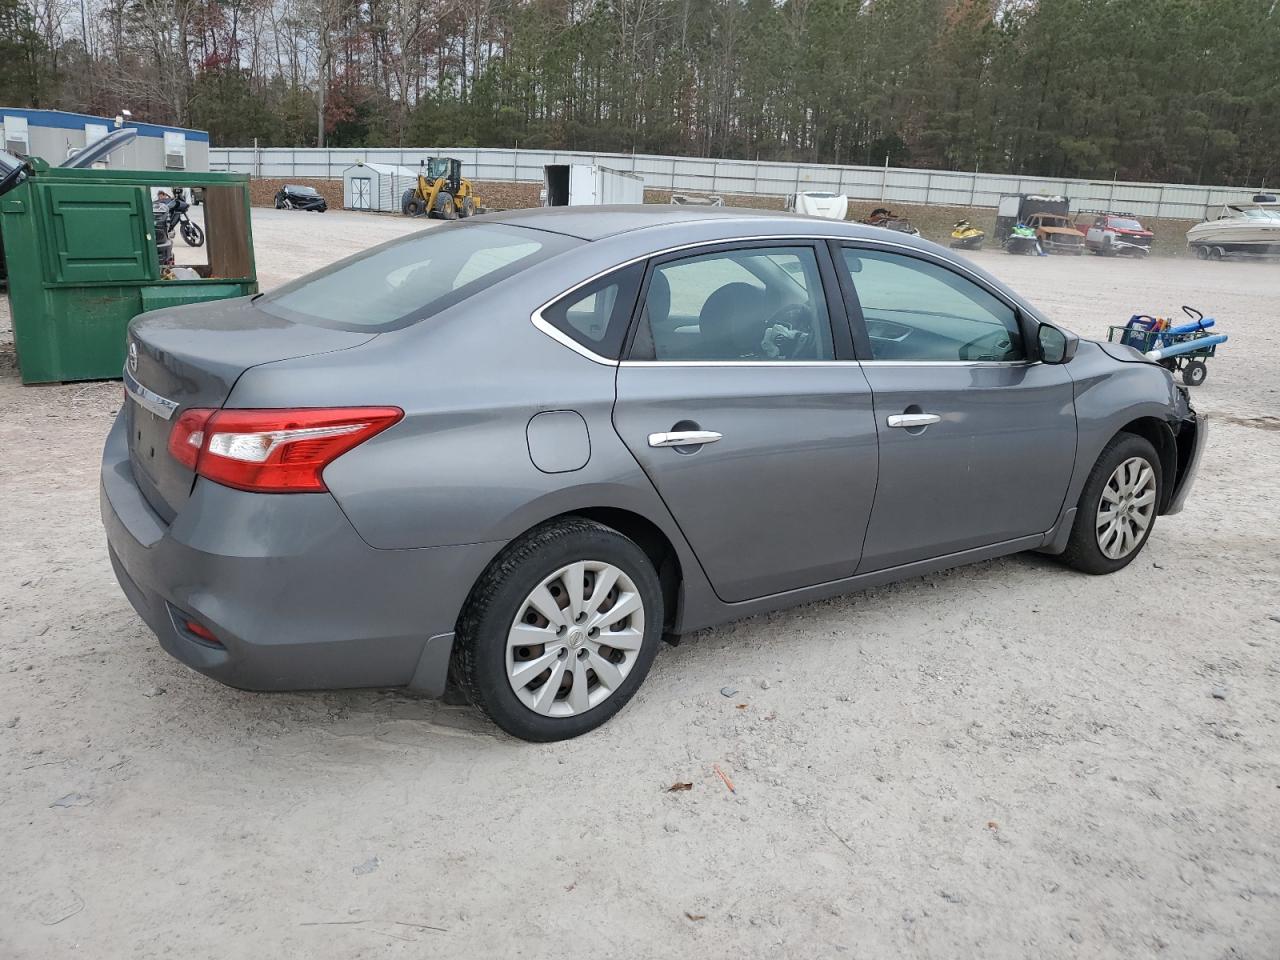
[458, 468]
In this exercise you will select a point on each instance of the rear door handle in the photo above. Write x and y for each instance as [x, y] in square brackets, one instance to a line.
[913, 419]
[683, 438]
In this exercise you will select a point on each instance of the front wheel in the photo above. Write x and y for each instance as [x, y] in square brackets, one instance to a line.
[1194, 373]
[192, 234]
[1117, 508]
[446, 209]
[560, 630]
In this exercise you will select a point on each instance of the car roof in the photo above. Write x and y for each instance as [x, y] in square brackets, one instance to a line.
[660, 222]
[598, 222]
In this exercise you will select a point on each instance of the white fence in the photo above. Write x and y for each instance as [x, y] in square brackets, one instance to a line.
[762, 178]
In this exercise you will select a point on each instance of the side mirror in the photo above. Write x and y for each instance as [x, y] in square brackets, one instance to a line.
[1056, 346]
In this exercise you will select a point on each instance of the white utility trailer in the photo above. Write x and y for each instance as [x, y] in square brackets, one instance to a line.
[579, 184]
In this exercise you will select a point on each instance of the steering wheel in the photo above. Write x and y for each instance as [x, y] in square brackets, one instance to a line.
[797, 318]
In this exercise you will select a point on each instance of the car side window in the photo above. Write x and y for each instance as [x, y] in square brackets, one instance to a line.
[751, 304]
[915, 309]
[597, 315]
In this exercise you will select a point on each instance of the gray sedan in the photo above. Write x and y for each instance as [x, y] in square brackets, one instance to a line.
[525, 448]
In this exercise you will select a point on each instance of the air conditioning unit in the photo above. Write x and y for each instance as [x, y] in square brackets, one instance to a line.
[16, 140]
[175, 150]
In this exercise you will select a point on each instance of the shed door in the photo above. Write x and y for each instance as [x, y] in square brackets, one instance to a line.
[359, 193]
[100, 232]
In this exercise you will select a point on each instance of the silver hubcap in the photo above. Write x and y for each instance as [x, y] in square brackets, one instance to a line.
[575, 639]
[1127, 506]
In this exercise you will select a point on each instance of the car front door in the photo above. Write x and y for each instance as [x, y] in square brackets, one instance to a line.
[977, 439]
[744, 405]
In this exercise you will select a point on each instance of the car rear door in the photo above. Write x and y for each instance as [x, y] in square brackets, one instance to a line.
[977, 441]
[742, 402]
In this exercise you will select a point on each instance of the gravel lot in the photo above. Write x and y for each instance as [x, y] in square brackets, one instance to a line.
[1007, 760]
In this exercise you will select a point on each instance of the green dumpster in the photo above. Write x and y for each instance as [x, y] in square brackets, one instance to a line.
[82, 261]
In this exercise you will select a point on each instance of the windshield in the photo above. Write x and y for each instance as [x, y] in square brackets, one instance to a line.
[1122, 224]
[414, 277]
[438, 167]
[1259, 214]
[309, 191]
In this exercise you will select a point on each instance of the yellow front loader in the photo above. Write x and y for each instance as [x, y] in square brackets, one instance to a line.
[440, 191]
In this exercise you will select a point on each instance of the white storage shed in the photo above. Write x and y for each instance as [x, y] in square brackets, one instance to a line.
[376, 186]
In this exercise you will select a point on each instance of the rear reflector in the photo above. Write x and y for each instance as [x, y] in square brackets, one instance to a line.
[273, 451]
[201, 631]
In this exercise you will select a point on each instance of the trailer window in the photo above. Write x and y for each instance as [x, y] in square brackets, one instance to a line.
[414, 277]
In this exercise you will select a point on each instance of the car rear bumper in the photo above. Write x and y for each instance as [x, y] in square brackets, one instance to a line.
[293, 596]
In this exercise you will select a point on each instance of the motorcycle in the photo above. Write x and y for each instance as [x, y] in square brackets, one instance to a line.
[966, 236]
[177, 207]
[883, 217]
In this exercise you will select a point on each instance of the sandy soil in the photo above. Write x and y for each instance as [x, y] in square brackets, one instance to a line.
[1009, 760]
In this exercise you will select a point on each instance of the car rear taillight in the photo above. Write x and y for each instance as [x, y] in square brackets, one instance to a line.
[187, 436]
[273, 451]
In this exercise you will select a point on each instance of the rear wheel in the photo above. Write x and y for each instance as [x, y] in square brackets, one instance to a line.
[560, 630]
[467, 208]
[1117, 508]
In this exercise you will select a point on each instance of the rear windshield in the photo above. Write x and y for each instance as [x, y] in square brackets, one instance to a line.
[411, 278]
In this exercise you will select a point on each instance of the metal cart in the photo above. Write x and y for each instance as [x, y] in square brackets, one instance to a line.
[1174, 347]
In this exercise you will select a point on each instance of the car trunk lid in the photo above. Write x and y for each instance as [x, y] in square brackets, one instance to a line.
[190, 357]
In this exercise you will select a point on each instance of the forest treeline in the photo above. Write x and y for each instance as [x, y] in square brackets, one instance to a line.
[1175, 90]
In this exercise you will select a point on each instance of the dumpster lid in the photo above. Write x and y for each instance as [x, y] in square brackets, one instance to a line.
[109, 144]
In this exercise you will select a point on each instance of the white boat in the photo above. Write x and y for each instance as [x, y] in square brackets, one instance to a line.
[816, 203]
[1241, 228]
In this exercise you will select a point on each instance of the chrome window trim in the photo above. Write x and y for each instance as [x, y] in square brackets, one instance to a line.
[149, 400]
[543, 325]
[776, 364]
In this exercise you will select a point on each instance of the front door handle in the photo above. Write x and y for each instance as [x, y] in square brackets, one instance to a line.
[683, 438]
[913, 419]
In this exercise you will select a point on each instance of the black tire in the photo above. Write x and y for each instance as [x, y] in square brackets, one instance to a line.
[279, 202]
[445, 209]
[410, 204]
[1194, 373]
[480, 648]
[192, 234]
[1083, 552]
[467, 208]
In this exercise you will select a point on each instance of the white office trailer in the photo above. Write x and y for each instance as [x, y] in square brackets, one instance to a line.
[575, 184]
[376, 186]
[54, 136]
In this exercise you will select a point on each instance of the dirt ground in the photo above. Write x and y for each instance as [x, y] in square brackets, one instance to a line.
[1005, 761]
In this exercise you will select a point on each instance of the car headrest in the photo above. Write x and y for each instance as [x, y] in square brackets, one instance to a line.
[730, 322]
[657, 301]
